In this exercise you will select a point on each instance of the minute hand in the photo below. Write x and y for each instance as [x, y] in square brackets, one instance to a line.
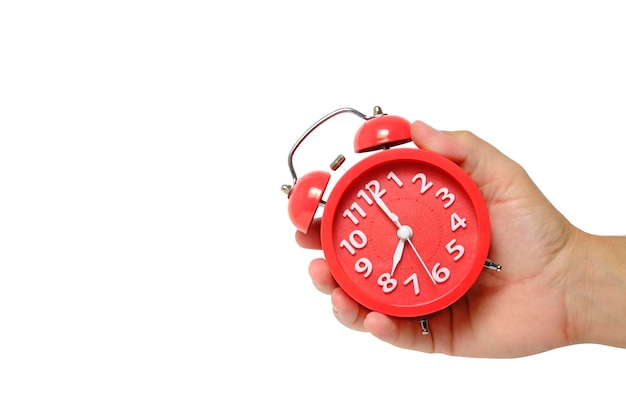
[385, 209]
[422, 262]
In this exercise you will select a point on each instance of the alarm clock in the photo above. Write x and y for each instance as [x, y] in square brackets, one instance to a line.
[404, 231]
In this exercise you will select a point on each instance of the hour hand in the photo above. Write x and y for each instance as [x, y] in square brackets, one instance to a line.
[397, 256]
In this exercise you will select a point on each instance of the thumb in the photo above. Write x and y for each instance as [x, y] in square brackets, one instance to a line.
[444, 143]
[480, 160]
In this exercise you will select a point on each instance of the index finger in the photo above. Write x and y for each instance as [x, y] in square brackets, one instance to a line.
[311, 239]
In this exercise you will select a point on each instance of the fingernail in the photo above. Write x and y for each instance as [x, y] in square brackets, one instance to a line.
[336, 312]
[429, 127]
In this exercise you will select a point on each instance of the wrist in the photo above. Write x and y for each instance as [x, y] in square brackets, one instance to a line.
[597, 298]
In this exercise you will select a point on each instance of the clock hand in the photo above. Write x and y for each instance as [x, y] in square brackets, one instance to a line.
[404, 234]
[384, 208]
[397, 255]
[422, 261]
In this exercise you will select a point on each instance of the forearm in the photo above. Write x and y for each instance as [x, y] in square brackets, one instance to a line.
[600, 291]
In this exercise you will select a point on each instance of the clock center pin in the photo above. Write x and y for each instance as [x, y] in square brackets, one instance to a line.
[405, 232]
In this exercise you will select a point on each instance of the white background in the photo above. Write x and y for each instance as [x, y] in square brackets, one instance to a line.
[147, 263]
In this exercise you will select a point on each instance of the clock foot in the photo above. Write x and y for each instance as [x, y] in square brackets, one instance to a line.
[424, 325]
[489, 264]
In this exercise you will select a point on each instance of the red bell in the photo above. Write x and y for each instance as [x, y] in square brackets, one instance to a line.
[382, 131]
[305, 197]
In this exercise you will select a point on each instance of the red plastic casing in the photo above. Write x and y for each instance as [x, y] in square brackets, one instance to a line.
[305, 197]
[441, 230]
[383, 131]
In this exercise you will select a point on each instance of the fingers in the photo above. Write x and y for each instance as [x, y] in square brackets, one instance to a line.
[311, 239]
[321, 276]
[349, 313]
[427, 137]
[400, 332]
[480, 160]
[404, 333]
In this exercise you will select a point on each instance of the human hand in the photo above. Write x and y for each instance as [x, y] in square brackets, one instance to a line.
[525, 308]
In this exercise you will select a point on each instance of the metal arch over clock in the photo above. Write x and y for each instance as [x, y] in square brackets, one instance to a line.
[405, 231]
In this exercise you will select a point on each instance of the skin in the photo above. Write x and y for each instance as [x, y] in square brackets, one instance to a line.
[559, 285]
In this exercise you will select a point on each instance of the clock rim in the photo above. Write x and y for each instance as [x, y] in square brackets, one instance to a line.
[438, 162]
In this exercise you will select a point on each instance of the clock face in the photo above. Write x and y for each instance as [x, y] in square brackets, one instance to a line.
[405, 232]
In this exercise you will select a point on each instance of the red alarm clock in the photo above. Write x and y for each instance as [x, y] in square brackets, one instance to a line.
[404, 231]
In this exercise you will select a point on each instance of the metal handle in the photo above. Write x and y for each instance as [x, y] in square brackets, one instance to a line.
[311, 129]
